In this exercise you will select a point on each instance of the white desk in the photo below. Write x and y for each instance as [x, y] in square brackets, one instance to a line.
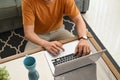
[19, 72]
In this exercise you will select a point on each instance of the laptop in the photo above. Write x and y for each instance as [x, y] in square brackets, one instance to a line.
[66, 61]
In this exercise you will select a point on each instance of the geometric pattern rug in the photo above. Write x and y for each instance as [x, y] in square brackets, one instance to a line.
[13, 42]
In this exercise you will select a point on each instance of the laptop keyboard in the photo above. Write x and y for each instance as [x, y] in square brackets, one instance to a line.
[63, 59]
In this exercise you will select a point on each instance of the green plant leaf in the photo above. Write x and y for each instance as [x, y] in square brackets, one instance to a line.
[4, 75]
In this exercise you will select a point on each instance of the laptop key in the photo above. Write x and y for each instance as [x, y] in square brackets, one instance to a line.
[63, 59]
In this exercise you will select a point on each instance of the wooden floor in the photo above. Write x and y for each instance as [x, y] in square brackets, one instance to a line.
[104, 18]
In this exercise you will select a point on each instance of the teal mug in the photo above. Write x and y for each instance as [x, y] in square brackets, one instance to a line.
[30, 64]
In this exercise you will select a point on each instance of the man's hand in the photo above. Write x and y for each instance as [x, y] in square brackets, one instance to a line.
[82, 48]
[53, 47]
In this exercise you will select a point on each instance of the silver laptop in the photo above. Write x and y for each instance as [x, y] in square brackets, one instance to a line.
[66, 61]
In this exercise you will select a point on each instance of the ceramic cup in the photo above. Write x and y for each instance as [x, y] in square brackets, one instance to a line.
[29, 62]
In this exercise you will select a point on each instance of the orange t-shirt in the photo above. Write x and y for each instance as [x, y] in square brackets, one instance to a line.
[47, 16]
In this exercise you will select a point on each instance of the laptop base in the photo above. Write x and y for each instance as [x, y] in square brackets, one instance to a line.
[84, 73]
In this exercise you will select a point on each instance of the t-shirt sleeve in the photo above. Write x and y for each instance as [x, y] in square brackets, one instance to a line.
[27, 13]
[71, 9]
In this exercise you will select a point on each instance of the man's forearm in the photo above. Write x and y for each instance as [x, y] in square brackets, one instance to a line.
[32, 36]
[81, 27]
[83, 47]
[35, 39]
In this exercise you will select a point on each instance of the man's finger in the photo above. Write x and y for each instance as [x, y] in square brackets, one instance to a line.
[88, 50]
[84, 50]
[80, 49]
[53, 53]
[59, 46]
[79, 54]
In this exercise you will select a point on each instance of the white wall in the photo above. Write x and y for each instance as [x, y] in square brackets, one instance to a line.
[104, 18]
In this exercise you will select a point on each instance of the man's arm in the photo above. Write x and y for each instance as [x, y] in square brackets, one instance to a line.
[81, 27]
[52, 47]
[30, 35]
[83, 47]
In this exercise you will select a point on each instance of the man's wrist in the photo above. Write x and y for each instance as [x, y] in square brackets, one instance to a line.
[83, 37]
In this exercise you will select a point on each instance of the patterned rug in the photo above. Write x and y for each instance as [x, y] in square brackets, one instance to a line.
[13, 42]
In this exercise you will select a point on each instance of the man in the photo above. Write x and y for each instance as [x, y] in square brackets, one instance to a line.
[43, 25]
